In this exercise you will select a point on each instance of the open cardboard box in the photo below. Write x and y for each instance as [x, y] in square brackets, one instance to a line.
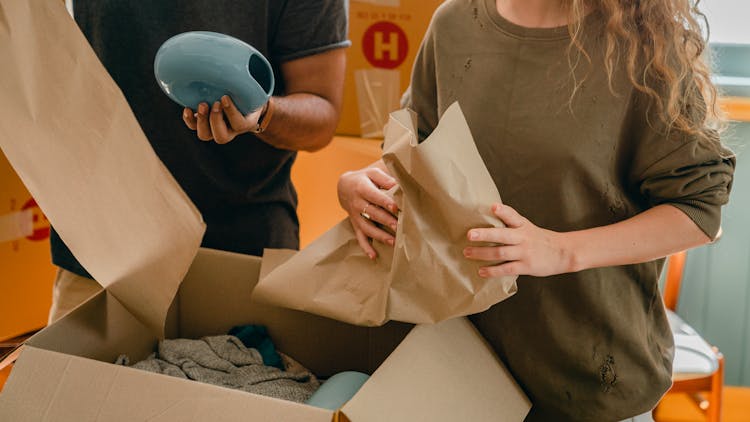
[442, 372]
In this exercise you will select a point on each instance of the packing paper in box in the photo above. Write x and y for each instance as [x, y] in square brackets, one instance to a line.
[70, 135]
[444, 189]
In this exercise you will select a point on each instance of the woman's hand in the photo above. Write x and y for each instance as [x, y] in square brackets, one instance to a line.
[361, 195]
[211, 125]
[524, 248]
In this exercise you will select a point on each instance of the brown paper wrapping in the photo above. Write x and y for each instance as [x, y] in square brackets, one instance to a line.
[444, 190]
[73, 140]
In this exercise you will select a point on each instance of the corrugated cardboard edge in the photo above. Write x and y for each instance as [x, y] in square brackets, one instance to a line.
[11, 357]
[50, 386]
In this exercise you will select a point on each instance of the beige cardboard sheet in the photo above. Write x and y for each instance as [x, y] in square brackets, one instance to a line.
[70, 135]
[443, 372]
[445, 189]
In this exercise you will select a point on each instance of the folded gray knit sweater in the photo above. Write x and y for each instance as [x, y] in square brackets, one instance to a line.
[225, 361]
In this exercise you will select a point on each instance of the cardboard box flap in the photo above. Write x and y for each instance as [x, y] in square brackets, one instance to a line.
[442, 372]
[49, 386]
[71, 137]
[86, 333]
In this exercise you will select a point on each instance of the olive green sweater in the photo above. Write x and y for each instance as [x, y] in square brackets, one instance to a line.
[593, 345]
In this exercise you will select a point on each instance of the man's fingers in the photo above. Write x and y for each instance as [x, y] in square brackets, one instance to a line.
[236, 119]
[189, 118]
[202, 126]
[219, 130]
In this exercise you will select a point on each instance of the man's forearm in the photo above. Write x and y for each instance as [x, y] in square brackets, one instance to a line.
[301, 121]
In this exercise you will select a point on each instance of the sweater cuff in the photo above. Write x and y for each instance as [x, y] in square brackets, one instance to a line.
[706, 216]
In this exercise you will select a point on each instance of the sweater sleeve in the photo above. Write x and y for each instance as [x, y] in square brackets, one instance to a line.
[421, 96]
[691, 173]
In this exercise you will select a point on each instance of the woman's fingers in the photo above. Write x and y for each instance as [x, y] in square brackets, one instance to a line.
[370, 209]
[375, 213]
[370, 193]
[506, 269]
[494, 253]
[503, 235]
[374, 204]
[365, 230]
[380, 178]
[364, 243]
[522, 247]
[510, 251]
[506, 235]
[508, 215]
[368, 227]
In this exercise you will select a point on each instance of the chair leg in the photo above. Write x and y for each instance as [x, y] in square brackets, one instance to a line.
[717, 383]
[700, 400]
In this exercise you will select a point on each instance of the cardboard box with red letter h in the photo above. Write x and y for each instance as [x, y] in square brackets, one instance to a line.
[385, 36]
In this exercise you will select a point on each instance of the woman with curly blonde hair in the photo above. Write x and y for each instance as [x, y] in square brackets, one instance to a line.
[596, 120]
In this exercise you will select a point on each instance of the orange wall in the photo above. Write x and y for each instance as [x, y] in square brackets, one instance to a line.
[26, 273]
[736, 108]
[315, 176]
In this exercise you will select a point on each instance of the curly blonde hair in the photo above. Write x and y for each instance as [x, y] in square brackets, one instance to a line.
[662, 45]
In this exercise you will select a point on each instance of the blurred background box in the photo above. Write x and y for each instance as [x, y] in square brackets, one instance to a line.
[385, 36]
[26, 273]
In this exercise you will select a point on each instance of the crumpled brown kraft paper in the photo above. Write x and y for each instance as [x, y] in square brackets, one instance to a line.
[445, 190]
[70, 135]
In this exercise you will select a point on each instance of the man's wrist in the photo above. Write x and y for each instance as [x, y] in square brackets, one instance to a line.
[265, 117]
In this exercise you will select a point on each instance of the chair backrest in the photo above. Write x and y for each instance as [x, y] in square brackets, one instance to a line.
[675, 269]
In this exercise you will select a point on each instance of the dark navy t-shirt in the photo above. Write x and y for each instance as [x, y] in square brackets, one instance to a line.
[243, 188]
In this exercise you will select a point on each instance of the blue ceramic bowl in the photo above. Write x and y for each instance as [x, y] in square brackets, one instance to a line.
[338, 390]
[201, 66]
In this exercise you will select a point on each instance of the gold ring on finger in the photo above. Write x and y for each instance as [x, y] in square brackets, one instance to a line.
[364, 213]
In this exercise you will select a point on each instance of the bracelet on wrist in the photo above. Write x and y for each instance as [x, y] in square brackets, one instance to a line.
[265, 117]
